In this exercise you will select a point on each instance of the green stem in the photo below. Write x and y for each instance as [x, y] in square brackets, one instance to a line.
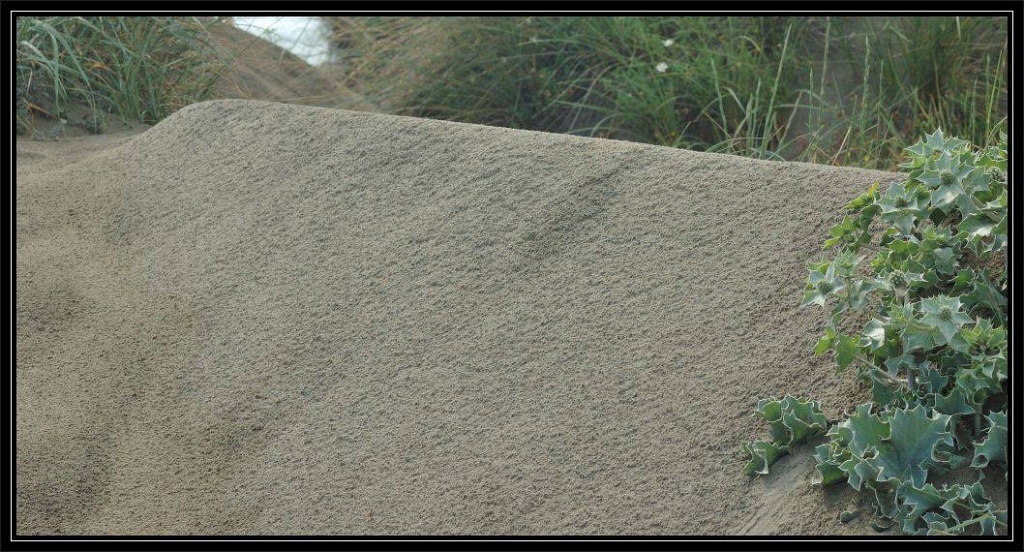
[956, 529]
[873, 368]
[994, 217]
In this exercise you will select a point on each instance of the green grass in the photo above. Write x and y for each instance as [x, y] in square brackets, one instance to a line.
[847, 91]
[915, 75]
[138, 68]
[841, 91]
[598, 77]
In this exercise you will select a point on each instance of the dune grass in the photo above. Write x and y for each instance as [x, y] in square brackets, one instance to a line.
[138, 68]
[844, 91]
[834, 90]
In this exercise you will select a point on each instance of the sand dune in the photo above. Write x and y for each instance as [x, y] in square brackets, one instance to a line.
[258, 318]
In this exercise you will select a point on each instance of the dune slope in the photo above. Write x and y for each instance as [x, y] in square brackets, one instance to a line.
[258, 318]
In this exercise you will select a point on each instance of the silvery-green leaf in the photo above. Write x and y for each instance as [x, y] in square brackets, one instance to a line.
[953, 403]
[908, 449]
[874, 331]
[993, 447]
[945, 260]
[846, 351]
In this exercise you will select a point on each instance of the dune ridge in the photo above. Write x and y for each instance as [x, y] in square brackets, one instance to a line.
[259, 318]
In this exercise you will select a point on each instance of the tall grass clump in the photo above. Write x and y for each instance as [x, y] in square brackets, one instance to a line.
[847, 90]
[906, 75]
[697, 82]
[955, 72]
[386, 58]
[138, 68]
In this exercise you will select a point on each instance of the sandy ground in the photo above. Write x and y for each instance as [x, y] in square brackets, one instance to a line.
[259, 318]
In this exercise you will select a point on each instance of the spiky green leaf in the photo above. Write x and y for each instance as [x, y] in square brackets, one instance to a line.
[874, 334]
[829, 456]
[846, 351]
[909, 451]
[953, 403]
[945, 260]
[993, 447]
[915, 502]
[762, 454]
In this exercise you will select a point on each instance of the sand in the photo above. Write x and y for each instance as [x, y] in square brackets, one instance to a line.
[260, 318]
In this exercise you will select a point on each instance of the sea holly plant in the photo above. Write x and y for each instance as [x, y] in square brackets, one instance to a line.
[791, 422]
[926, 261]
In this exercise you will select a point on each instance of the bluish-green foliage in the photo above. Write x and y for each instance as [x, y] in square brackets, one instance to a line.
[927, 259]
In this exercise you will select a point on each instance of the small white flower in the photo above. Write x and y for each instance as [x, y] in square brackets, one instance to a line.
[661, 67]
[668, 42]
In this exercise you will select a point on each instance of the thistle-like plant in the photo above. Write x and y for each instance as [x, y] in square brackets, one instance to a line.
[927, 258]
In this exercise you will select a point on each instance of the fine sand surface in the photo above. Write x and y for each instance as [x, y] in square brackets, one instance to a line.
[259, 318]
